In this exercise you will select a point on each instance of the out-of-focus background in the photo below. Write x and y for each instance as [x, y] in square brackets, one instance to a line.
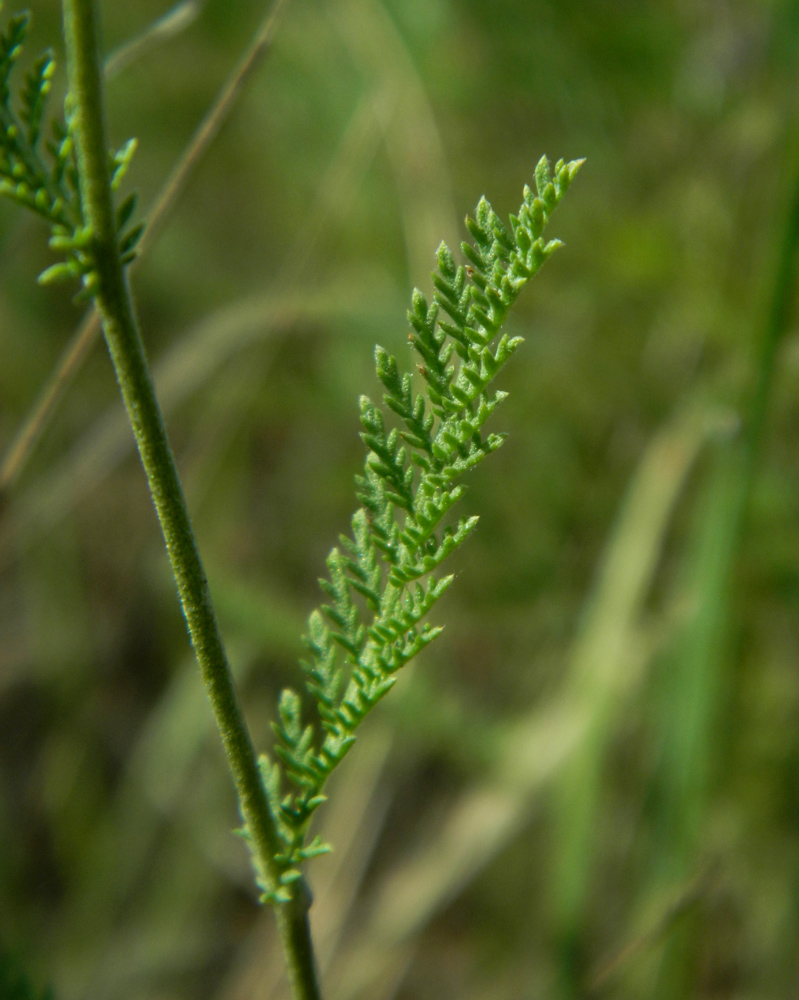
[589, 786]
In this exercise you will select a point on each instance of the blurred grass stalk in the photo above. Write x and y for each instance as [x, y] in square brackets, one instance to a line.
[184, 370]
[607, 662]
[698, 665]
[689, 702]
[176, 19]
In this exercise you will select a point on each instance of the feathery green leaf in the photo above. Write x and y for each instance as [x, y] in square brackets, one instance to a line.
[382, 580]
[45, 180]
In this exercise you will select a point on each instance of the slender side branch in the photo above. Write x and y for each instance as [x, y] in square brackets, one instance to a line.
[84, 338]
[122, 335]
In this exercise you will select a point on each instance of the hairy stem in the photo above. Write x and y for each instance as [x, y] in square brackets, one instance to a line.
[122, 335]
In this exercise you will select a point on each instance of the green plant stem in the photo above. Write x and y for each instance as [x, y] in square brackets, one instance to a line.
[122, 335]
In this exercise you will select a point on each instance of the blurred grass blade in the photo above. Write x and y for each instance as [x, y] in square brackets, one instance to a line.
[677, 905]
[692, 699]
[184, 370]
[606, 661]
[691, 695]
[176, 19]
[412, 140]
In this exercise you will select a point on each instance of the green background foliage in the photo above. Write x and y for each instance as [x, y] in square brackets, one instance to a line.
[588, 785]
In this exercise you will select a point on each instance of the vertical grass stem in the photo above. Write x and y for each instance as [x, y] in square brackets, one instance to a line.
[122, 335]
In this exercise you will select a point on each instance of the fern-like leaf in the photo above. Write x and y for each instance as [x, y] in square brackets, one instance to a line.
[382, 579]
[45, 180]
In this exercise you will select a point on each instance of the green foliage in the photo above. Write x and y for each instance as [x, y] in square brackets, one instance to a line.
[42, 175]
[382, 580]
[106, 829]
[14, 983]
